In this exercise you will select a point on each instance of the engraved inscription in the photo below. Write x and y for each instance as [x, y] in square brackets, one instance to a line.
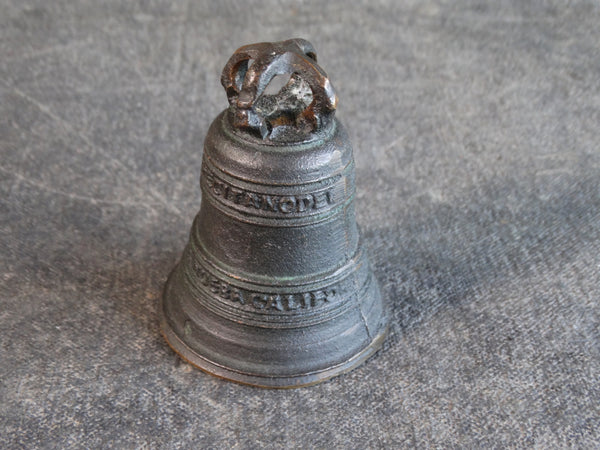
[260, 300]
[285, 204]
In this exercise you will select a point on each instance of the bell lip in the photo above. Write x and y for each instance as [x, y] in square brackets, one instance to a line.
[265, 381]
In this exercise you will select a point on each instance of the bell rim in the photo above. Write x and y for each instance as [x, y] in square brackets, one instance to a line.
[186, 353]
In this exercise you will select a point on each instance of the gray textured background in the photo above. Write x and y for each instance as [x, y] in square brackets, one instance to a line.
[476, 129]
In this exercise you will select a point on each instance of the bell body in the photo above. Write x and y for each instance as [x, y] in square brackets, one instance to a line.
[274, 288]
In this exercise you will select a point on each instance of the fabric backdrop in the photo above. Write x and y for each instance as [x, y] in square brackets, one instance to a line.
[476, 131]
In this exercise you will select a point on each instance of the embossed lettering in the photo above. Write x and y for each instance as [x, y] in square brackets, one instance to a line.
[306, 300]
[286, 204]
[219, 188]
[290, 303]
[204, 278]
[215, 286]
[321, 199]
[274, 303]
[305, 202]
[235, 195]
[210, 180]
[225, 291]
[238, 297]
[269, 204]
[253, 200]
[259, 301]
[319, 297]
[262, 301]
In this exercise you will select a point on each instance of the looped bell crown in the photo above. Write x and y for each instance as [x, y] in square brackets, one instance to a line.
[305, 104]
[274, 288]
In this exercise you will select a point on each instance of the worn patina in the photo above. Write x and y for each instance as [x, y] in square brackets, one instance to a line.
[274, 288]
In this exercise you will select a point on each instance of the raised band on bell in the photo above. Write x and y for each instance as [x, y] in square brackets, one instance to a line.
[274, 288]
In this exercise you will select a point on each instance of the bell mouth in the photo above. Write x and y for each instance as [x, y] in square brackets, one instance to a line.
[299, 380]
[330, 331]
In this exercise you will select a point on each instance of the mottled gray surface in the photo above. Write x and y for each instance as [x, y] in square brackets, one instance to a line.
[477, 140]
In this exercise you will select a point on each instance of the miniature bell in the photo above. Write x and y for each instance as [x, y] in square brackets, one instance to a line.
[274, 288]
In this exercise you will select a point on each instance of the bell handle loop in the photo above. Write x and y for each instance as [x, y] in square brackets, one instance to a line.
[250, 70]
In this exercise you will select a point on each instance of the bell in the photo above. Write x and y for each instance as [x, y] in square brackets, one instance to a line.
[274, 288]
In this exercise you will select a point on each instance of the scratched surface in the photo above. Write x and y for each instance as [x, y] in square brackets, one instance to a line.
[476, 129]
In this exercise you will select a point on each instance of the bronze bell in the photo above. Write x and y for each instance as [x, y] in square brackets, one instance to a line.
[274, 288]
